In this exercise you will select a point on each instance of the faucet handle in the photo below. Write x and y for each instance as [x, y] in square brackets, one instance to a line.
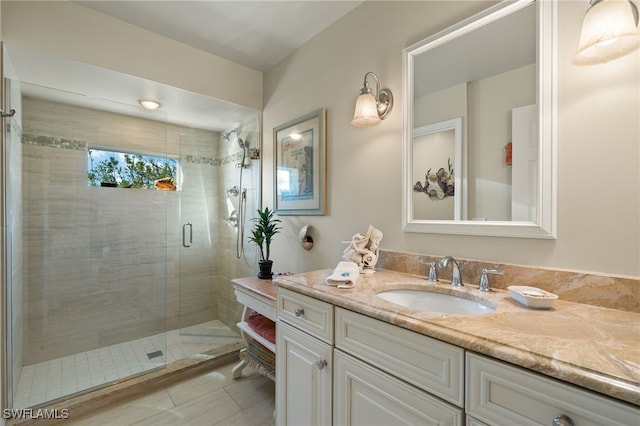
[484, 279]
[433, 272]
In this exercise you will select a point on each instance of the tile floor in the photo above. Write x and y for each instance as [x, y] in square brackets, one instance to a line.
[60, 377]
[212, 398]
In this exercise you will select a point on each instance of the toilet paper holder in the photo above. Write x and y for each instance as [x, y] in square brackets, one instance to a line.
[305, 239]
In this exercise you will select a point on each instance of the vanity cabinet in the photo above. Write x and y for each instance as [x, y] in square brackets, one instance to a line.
[304, 365]
[336, 366]
[371, 373]
[499, 393]
[385, 375]
[428, 364]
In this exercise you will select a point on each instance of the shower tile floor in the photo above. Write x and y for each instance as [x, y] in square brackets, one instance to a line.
[60, 377]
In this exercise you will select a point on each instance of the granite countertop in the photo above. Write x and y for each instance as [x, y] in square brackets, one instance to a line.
[592, 347]
[264, 288]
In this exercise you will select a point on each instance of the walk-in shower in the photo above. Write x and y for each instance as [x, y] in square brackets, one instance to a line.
[111, 282]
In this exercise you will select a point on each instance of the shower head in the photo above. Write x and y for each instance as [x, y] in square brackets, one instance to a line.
[227, 136]
[241, 143]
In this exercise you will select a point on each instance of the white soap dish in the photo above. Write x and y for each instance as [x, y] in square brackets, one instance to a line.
[532, 297]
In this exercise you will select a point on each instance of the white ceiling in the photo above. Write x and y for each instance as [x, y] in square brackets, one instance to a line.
[257, 34]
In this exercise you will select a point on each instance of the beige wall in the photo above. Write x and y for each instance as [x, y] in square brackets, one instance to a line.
[75, 32]
[598, 156]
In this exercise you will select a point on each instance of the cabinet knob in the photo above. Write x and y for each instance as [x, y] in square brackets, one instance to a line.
[562, 420]
[298, 312]
[323, 363]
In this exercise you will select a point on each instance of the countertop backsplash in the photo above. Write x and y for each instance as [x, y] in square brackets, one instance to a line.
[604, 290]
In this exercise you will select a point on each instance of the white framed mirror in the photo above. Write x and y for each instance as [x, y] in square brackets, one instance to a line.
[496, 73]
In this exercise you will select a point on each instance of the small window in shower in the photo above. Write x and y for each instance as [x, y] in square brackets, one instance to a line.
[129, 170]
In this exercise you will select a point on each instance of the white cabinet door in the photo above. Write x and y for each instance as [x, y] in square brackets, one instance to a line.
[366, 396]
[502, 394]
[303, 378]
[426, 363]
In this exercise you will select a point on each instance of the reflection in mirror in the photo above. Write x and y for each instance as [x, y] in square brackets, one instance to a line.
[436, 170]
[495, 73]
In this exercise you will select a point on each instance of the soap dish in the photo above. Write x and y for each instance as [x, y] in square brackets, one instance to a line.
[532, 297]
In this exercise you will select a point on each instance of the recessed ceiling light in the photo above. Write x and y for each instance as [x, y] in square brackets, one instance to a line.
[149, 104]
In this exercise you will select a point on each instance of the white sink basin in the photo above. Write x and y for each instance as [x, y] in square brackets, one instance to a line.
[434, 302]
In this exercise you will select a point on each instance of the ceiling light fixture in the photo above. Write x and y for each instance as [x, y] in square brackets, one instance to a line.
[149, 104]
[370, 108]
[609, 31]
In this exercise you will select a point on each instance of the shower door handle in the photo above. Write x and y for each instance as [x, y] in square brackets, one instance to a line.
[186, 242]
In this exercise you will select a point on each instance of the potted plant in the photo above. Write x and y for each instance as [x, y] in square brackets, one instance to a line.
[266, 226]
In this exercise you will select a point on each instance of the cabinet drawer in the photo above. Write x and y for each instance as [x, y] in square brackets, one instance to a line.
[364, 395]
[499, 393]
[429, 364]
[308, 314]
[257, 303]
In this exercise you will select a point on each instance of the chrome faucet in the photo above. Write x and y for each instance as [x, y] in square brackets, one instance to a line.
[484, 279]
[456, 279]
[433, 273]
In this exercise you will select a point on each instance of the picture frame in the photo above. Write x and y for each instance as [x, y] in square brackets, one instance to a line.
[300, 170]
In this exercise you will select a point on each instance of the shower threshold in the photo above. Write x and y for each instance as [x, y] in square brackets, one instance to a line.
[114, 371]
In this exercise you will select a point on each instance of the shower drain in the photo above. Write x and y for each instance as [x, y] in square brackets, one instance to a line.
[155, 354]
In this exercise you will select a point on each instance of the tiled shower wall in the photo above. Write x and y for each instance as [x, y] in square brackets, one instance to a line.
[106, 265]
[229, 266]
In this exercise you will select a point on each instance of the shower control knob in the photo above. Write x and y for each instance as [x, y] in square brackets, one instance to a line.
[299, 312]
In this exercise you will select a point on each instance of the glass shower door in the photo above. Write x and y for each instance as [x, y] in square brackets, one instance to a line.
[91, 308]
[201, 251]
[12, 240]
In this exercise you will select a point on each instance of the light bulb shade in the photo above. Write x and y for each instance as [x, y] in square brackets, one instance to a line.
[609, 31]
[149, 104]
[366, 113]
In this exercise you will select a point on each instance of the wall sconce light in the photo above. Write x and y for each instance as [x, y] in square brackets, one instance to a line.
[609, 31]
[370, 108]
[149, 104]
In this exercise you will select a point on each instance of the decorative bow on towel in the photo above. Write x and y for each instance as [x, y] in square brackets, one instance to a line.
[344, 276]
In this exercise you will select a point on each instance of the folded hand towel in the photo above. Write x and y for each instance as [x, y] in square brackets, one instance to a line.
[344, 276]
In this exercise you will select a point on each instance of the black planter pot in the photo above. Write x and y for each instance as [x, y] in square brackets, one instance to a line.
[264, 269]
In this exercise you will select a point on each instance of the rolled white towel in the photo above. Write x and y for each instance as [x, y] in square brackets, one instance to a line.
[344, 276]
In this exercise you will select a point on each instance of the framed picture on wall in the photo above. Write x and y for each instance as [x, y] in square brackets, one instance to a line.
[300, 165]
